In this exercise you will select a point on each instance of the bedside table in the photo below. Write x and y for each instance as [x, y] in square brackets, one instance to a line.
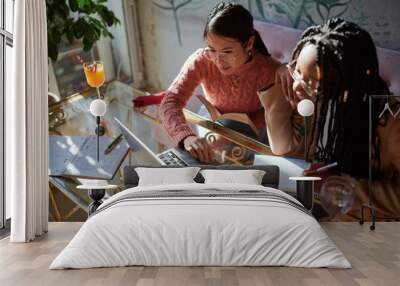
[305, 190]
[96, 192]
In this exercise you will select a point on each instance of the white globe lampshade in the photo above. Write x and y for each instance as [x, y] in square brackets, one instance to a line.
[305, 107]
[98, 107]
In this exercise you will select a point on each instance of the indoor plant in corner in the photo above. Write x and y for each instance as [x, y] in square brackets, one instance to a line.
[84, 20]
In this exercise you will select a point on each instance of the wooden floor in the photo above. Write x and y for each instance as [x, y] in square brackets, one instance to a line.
[375, 257]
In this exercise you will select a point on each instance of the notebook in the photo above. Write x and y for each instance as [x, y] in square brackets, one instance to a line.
[240, 122]
[76, 156]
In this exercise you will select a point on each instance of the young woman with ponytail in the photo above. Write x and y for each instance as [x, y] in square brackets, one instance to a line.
[233, 66]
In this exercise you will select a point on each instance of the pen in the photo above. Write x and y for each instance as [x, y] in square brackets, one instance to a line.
[321, 169]
[113, 144]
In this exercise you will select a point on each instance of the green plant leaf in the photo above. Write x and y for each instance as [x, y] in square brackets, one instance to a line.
[88, 41]
[84, 2]
[56, 34]
[69, 34]
[74, 5]
[96, 23]
[50, 13]
[106, 15]
[52, 49]
[93, 21]
[98, 26]
[80, 27]
[61, 9]
[107, 34]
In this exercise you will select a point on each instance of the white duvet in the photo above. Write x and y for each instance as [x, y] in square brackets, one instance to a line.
[183, 231]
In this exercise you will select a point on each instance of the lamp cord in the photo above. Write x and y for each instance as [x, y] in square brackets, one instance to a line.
[98, 138]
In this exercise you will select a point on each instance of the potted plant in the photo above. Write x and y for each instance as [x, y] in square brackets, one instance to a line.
[84, 20]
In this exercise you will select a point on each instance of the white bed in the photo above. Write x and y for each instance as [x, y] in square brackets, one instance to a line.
[224, 225]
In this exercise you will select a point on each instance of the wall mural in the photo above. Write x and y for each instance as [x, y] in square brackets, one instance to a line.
[302, 13]
[299, 13]
[370, 15]
[179, 25]
[174, 6]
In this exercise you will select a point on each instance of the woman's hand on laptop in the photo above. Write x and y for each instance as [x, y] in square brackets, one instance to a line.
[198, 148]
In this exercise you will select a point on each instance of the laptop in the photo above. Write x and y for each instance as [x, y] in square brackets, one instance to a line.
[170, 157]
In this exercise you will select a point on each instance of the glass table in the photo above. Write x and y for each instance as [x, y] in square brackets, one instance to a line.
[71, 117]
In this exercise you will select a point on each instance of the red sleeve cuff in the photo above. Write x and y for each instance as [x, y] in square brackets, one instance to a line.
[181, 135]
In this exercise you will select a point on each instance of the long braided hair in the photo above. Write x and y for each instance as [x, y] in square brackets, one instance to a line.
[350, 72]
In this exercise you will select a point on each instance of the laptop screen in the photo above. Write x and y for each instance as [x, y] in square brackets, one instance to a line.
[142, 155]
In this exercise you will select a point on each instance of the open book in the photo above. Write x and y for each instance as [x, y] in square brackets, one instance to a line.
[76, 156]
[217, 116]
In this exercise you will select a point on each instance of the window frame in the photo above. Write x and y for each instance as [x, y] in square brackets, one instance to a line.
[6, 39]
[130, 9]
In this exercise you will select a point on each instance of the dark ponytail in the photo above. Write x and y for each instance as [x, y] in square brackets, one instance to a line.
[259, 44]
[234, 21]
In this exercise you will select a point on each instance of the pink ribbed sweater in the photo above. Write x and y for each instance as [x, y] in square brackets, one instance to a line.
[228, 93]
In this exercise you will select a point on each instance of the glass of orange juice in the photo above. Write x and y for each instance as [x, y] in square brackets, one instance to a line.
[94, 72]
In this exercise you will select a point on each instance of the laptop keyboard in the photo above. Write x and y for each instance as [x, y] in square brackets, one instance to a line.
[170, 159]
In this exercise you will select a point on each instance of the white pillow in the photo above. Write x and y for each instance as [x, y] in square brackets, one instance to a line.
[163, 176]
[248, 177]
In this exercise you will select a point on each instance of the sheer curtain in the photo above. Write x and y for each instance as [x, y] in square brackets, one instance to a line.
[27, 123]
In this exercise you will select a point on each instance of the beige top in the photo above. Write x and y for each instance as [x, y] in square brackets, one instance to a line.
[283, 125]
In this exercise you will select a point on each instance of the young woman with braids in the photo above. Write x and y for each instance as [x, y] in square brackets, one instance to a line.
[336, 66]
[231, 69]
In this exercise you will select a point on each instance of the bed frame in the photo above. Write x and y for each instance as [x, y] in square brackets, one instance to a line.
[270, 179]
